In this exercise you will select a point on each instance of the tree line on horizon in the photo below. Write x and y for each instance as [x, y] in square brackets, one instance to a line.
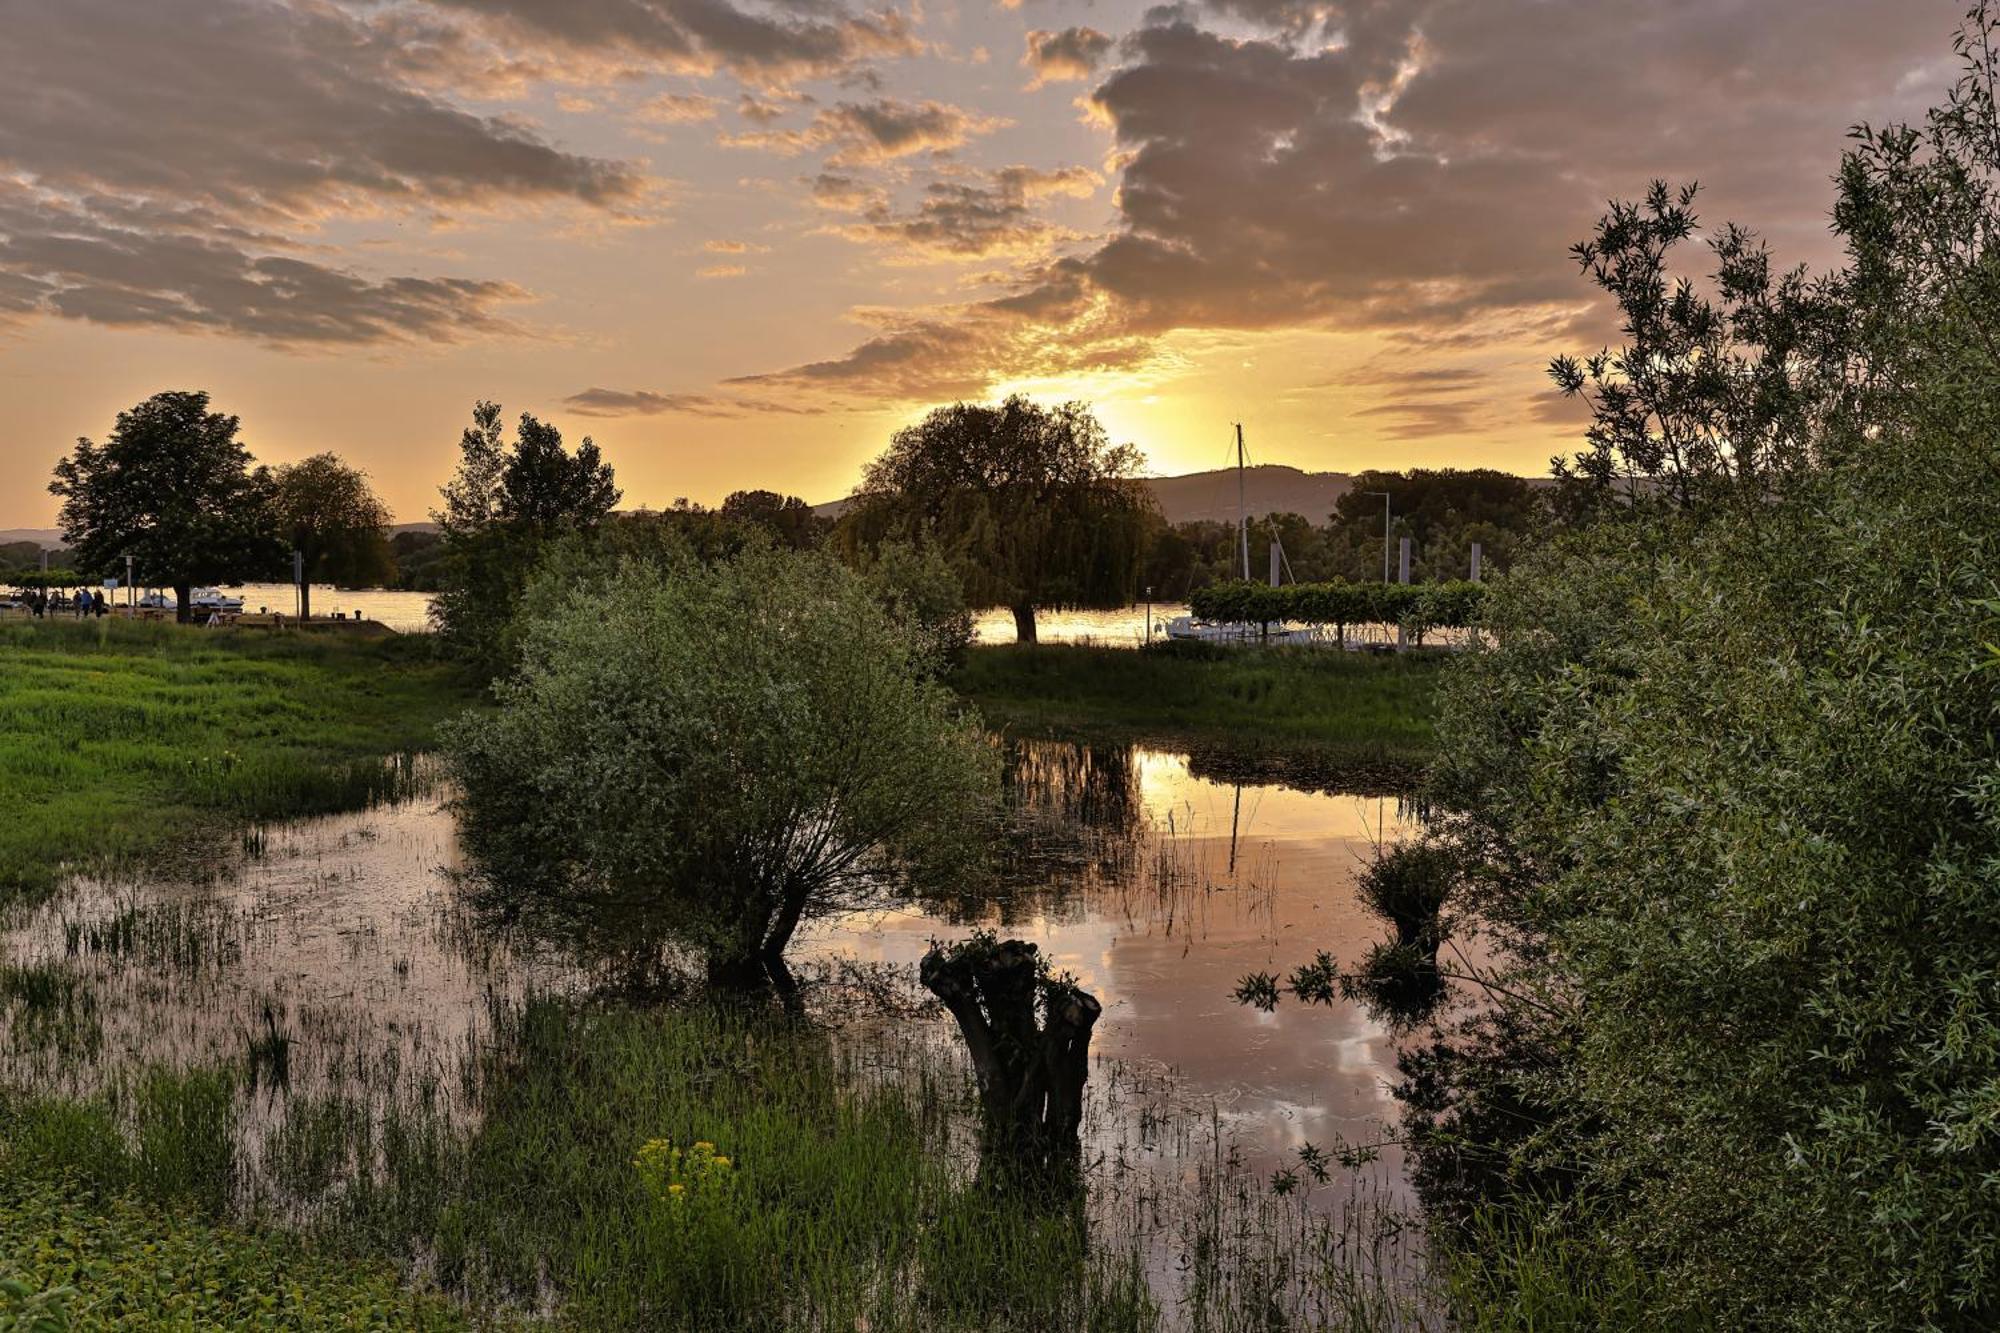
[1032, 506]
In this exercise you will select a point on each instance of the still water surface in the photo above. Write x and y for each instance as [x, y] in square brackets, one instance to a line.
[409, 613]
[1157, 886]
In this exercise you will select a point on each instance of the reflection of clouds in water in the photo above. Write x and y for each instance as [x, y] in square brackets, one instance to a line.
[1163, 937]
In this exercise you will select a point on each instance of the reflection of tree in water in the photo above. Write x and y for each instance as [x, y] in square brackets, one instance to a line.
[1073, 822]
[1301, 771]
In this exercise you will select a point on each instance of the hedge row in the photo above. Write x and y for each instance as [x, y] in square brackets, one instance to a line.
[1416, 605]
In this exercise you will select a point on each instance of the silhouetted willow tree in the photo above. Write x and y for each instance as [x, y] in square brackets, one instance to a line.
[335, 521]
[714, 753]
[1034, 505]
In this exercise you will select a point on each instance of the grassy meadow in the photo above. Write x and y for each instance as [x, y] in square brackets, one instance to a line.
[122, 740]
[1343, 709]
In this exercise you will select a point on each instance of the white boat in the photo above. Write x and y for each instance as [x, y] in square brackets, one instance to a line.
[1187, 629]
[200, 599]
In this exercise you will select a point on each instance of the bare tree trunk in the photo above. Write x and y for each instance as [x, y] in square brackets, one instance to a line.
[183, 603]
[305, 598]
[1031, 1069]
[1024, 624]
[791, 906]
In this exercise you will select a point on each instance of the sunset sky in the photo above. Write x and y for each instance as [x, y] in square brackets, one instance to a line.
[740, 243]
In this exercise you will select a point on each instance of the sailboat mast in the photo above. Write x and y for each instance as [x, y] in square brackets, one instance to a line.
[1242, 506]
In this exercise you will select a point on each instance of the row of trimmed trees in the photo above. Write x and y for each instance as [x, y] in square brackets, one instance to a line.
[1417, 606]
[175, 493]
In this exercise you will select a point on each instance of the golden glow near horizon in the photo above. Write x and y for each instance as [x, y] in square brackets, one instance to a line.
[743, 256]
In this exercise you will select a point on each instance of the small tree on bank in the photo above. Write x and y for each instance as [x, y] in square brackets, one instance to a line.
[1034, 504]
[718, 753]
[173, 488]
[333, 519]
[501, 506]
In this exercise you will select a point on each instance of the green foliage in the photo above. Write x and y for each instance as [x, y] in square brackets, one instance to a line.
[25, 1310]
[121, 739]
[786, 519]
[921, 591]
[1744, 788]
[717, 752]
[1035, 505]
[1416, 606]
[500, 507]
[1724, 781]
[331, 517]
[1521, 1271]
[87, 1261]
[172, 487]
[1443, 511]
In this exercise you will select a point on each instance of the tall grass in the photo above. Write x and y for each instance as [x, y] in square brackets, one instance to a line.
[848, 1200]
[852, 1196]
[121, 740]
[1341, 708]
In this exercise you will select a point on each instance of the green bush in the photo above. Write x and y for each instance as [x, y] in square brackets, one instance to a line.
[716, 752]
[1416, 606]
[1734, 792]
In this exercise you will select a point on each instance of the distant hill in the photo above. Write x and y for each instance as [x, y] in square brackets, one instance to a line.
[1269, 488]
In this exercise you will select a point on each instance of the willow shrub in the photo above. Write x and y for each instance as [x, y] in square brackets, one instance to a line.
[717, 752]
[1732, 790]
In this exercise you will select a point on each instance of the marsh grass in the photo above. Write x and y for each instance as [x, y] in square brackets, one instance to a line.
[1337, 709]
[852, 1197]
[123, 740]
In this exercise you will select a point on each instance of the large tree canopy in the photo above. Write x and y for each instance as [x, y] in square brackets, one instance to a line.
[1034, 504]
[335, 522]
[173, 488]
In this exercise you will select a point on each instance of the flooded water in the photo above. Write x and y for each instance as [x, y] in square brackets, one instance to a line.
[409, 613]
[1159, 890]
[1124, 627]
[1157, 887]
[404, 612]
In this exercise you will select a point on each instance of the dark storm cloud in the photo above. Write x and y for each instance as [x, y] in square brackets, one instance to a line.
[1420, 167]
[771, 43]
[1073, 53]
[166, 162]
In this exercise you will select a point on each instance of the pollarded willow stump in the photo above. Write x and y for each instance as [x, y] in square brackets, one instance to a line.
[1029, 1037]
